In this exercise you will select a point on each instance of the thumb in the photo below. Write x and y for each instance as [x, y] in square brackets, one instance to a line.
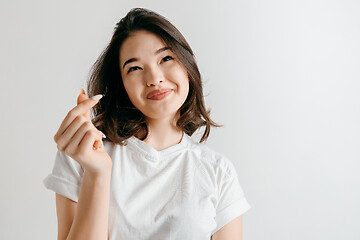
[82, 97]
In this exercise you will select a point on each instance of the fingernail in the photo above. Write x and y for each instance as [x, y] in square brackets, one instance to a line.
[97, 97]
[104, 136]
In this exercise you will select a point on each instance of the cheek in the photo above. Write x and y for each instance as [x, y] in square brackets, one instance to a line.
[186, 89]
[184, 81]
[179, 75]
[129, 90]
[133, 89]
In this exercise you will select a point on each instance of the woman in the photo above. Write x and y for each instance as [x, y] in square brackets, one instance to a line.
[147, 179]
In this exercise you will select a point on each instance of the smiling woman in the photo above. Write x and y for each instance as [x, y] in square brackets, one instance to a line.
[148, 179]
[130, 58]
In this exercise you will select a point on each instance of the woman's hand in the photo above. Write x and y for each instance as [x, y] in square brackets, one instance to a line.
[78, 138]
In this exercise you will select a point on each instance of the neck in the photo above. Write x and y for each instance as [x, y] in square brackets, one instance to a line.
[163, 133]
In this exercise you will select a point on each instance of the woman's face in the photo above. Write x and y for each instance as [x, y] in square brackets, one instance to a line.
[148, 66]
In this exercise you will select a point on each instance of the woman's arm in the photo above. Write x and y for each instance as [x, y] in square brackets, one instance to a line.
[230, 231]
[91, 219]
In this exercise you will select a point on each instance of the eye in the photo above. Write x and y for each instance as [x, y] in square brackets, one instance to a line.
[167, 57]
[132, 68]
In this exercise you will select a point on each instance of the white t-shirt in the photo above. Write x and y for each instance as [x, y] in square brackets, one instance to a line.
[187, 191]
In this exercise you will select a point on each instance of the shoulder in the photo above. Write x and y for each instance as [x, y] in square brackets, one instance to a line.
[207, 155]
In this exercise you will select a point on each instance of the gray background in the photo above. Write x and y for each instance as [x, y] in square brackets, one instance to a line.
[283, 76]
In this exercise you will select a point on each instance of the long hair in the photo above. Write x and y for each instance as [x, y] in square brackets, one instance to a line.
[115, 115]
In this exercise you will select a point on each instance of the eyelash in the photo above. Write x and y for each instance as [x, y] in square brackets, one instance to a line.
[130, 69]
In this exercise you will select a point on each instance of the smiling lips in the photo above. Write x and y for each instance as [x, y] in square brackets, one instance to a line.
[159, 93]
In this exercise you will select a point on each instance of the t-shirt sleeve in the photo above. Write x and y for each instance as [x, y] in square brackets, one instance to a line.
[231, 199]
[66, 177]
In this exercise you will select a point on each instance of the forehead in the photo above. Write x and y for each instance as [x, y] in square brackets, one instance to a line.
[140, 43]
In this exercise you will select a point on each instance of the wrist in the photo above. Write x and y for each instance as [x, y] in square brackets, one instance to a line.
[103, 174]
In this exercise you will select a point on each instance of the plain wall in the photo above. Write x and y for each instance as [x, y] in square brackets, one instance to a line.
[282, 76]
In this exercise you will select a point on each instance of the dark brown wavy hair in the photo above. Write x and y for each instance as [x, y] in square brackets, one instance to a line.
[115, 115]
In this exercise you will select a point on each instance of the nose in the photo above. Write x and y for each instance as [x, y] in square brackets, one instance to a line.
[154, 76]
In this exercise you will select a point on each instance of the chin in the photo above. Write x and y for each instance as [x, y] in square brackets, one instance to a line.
[160, 115]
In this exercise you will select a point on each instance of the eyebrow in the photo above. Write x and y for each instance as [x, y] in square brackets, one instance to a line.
[156, 52]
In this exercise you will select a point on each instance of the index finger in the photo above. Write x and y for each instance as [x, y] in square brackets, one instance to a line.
[80, 109]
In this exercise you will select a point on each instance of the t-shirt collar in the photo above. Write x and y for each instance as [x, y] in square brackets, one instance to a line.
[153, 154]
